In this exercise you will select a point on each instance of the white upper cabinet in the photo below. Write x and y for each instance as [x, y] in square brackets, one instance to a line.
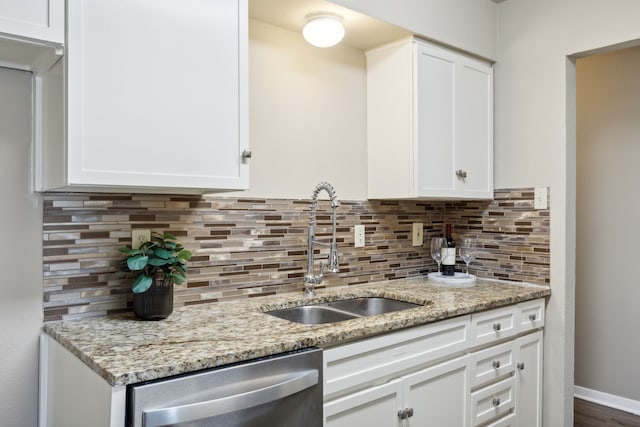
[155, 97]
[33, 19]
[429, 124]
[31, 33]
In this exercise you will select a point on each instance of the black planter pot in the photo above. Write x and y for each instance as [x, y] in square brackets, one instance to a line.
[156, 303]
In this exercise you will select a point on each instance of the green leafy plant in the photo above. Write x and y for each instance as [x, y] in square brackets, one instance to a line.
[161, 253]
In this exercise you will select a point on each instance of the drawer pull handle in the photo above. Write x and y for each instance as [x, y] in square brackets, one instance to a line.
[496, 401]
[520, 366]
[496, 364]
[405, 413]
[532, 317]
[496, 326]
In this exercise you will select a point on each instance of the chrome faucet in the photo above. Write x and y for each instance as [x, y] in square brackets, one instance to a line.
[311, 279]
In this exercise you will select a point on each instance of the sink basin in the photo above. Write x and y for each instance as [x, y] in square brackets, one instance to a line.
[338, 311]
[371, 306]
[312, 314]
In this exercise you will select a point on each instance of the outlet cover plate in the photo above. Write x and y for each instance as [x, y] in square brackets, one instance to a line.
[417, 234]
[358, 237]
[138, 237]
[540, 198]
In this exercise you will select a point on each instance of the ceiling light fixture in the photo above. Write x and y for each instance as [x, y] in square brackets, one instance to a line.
[323, 29]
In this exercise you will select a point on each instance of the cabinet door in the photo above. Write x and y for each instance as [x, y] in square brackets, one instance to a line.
[156, 93]
[33, 19]
[375, 406]
[529, 380]
[438, 395]
[454, 116]
[474, 129]
[435, 116]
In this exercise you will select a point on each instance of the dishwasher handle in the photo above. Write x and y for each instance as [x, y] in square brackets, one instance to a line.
[286, 385]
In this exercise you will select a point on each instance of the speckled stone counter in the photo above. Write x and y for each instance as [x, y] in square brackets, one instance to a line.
[124, 350]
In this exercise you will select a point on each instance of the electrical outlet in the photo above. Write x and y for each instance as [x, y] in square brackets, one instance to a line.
[540, 198]
[358, 236]
[417, 235]
[138, 237]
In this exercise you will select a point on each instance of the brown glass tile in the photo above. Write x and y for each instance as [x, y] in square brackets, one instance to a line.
[248, 247]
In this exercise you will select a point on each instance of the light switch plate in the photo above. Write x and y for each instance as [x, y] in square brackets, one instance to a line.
[138, 237]
[540, 198]
[359, 236]
[417, 235]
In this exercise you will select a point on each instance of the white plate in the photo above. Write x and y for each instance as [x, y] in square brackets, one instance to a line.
[458, 280]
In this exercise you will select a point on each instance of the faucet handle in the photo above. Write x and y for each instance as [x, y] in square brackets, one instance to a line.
[320, 277]
[334, 263]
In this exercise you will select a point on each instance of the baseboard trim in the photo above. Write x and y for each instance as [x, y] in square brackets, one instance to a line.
[606, 399]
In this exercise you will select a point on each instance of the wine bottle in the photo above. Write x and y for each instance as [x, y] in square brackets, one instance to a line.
[449, 254]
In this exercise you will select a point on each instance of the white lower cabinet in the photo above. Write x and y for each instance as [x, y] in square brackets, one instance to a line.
[483, 369]
[508, 421]
[434, 396]
[529, 380]
[429, 375]
[437, 396]
[374, 406]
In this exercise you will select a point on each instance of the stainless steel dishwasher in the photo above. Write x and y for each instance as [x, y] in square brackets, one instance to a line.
[279, 391]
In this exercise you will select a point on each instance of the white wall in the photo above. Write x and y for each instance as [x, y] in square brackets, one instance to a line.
[20, 255]
[535, 142]
[466, 24]
[307, 116]
[608, 240]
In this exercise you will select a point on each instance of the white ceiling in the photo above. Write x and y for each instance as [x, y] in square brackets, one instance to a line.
[362, 32]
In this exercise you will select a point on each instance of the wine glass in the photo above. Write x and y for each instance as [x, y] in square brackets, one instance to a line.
[467, 250]
[437, 243]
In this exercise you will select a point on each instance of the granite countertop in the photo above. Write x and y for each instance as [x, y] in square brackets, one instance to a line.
[124, 350]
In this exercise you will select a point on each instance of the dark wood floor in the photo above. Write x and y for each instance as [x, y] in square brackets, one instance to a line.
[587, 414]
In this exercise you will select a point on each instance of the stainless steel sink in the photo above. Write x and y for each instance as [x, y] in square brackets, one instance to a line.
[371, 306]
[338, 311]
[312, 314]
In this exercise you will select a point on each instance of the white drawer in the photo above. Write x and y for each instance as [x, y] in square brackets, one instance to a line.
[508, 421]
[493, 325]
[490, 364]
[530, 315]
[376, 360]
[493, 401]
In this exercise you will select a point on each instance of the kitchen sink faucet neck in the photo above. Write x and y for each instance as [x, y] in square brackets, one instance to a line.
[311, 279]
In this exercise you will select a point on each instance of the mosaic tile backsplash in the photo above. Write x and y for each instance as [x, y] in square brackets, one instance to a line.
[250, 247]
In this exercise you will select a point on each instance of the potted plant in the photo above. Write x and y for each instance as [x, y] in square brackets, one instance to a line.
[158, 264]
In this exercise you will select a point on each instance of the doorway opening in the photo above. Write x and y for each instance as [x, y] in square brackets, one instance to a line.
[607, 284]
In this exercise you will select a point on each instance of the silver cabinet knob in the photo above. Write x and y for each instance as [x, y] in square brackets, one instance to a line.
[520, 366]
[496, 401]
[246, 154]
[461, 174]
[496, 326]
[496, 364]
[532, 317]
[405, 413]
